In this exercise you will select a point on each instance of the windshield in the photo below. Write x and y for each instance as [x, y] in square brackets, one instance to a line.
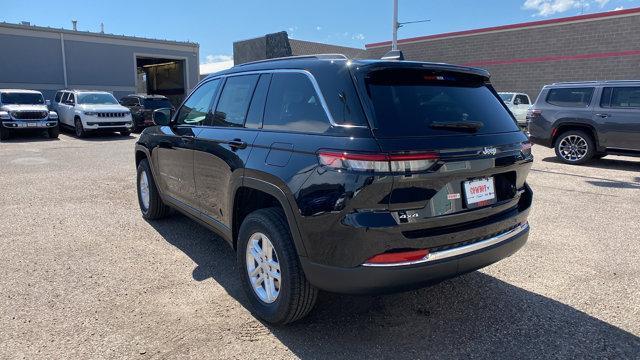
[506, 97]
[157, 103]
[417, 103]
[22, 99]
[96, 98]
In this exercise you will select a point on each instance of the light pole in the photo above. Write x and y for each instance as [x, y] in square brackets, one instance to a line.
[395, 25]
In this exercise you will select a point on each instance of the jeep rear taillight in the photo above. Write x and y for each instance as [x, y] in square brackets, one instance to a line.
[381, 163]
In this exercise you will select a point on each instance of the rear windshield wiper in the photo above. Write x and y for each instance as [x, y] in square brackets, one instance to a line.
[470, 126]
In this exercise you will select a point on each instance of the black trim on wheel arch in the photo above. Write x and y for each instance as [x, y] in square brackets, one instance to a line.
[280, 195]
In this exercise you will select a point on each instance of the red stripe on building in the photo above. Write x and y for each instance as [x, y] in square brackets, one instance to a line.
[554, 58]
[510, 27]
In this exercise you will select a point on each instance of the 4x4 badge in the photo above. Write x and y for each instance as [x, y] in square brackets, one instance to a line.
[489, 151]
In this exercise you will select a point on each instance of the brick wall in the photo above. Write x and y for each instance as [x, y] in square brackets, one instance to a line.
[524, 59]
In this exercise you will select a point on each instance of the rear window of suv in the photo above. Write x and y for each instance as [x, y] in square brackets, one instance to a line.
[413, 103]
[570, 97]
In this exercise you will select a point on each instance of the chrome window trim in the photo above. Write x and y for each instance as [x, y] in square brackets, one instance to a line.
[314, 83]
[462, 250]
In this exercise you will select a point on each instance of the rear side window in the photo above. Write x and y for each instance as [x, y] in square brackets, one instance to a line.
[294, 105]
[58, 96]
[621, 97]
[234, 101]
[412, 103]
[256, 109]
[570, 97]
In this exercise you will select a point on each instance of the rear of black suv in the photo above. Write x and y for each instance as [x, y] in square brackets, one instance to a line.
[443, 193]
[346, 176]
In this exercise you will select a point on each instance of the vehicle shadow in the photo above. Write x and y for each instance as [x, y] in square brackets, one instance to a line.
[607, 163]
[26, 136]
[475, 315]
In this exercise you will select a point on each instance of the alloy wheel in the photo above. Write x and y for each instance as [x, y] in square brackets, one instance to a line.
[573, 148]
[144, 190]
[263, 268]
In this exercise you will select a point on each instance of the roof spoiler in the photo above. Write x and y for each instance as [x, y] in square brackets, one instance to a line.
[393, 55]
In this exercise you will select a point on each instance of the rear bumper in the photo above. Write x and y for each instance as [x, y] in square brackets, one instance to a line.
[374, 280]
[29, 124]
[541, 141]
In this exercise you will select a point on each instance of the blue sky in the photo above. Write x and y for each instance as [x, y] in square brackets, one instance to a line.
[216, 24]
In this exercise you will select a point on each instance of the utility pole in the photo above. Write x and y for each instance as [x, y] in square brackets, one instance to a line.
[395, 26]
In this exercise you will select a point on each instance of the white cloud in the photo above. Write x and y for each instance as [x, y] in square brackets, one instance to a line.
[550, 7]
[318, 28]
[215, 63]
[619, 8]
[358, 37]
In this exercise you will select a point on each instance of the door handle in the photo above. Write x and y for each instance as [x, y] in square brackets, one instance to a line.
[604, 116]
[188, 138]
[237, 144]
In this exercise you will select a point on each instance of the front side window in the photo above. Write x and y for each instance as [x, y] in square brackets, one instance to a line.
[621, 97]
[570, 97]
[194, 111]
[523, 100]
[234, 101]
[15, 98]
[294, 105]
[71, 99]
[96, 99]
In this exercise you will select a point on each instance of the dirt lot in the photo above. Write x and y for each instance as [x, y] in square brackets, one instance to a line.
[84, 276]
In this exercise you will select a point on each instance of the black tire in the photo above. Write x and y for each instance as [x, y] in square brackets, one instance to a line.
[296, 295]
[4, 133]
[54, 132]
[156, 208]
[79, 129]
[571, 136]
[125, 133]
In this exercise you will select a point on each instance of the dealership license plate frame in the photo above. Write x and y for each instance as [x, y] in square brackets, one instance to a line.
[485, 200]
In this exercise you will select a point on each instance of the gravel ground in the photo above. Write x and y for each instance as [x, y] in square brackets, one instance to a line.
[84, 276]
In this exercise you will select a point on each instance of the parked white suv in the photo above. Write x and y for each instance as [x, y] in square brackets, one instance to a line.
[519, 104]
[86, 111]
[25, 110]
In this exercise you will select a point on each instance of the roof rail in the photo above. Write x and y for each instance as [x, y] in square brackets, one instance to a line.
[299, 57]
[595, 82]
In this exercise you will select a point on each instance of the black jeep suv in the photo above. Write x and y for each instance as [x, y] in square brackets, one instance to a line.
[142, 107]
[346, 176]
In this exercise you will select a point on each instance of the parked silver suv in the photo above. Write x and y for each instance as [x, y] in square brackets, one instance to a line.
[586, 120]
[24, 110]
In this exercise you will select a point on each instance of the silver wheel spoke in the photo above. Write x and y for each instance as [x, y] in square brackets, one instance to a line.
[263, 268]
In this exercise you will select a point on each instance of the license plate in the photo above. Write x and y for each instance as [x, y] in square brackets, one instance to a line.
[32, 124]
[480, 192]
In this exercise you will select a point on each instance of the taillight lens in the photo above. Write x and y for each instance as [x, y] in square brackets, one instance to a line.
[531, 113]
[384, 163]
[398, 257]
[525, 147]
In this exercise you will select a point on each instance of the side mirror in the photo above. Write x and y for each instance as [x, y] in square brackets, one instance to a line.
[162, 117]
[517, 101]
[47, 102]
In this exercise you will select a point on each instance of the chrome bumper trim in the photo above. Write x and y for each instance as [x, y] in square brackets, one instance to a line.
[445, 254]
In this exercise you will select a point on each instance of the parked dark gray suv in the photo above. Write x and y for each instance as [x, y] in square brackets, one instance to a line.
[586, 120]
